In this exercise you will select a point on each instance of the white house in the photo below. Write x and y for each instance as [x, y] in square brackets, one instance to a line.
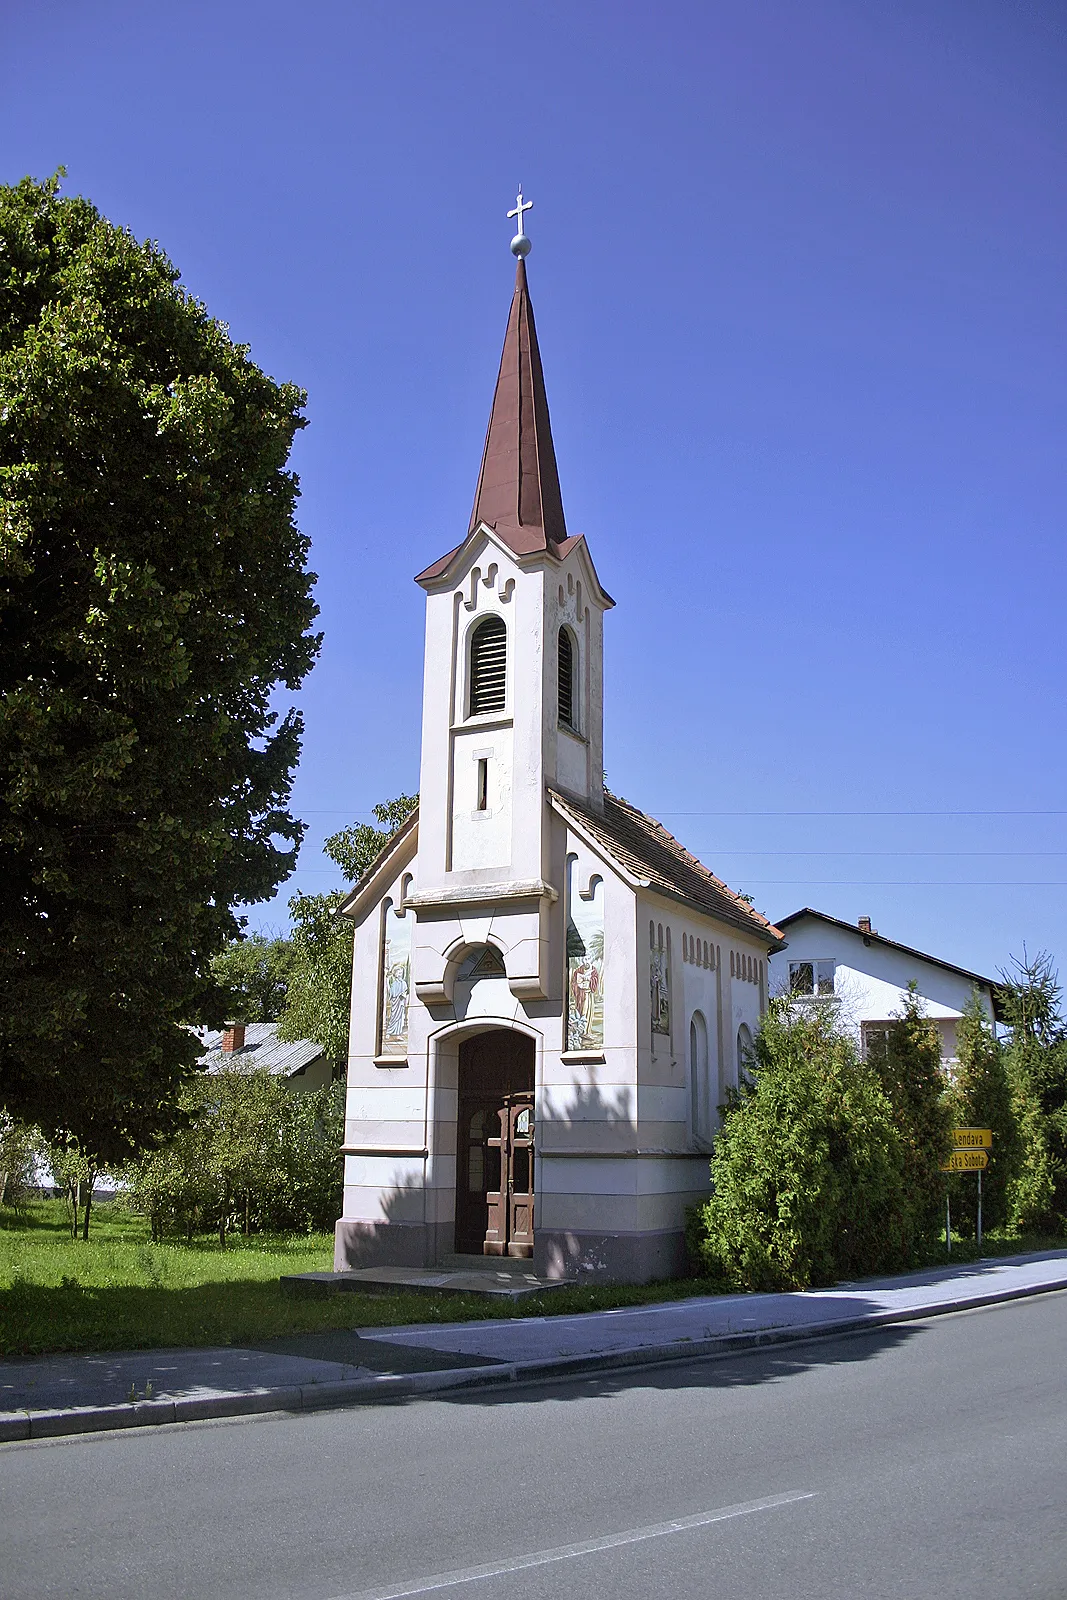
[869, 975]
[549, 993]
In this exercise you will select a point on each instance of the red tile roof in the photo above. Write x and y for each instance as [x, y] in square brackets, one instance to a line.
[643, 846]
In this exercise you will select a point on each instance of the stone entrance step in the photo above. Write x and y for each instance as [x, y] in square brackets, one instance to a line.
[494, 1277]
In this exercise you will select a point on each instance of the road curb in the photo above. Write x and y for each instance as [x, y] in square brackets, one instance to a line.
[19, 1426]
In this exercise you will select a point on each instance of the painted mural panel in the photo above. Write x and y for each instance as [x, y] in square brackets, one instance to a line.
[396, 982]
[659, 966]
[585, 964]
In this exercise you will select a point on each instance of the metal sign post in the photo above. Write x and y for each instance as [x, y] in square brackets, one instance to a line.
[969, 1155]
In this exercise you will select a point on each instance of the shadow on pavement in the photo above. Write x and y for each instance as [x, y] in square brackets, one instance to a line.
[743, 1369]
[357, 1350]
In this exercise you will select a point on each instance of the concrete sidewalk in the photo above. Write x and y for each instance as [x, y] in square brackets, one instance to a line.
[51, 1395]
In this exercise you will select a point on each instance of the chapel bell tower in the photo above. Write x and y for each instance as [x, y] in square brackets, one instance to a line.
[513, 687]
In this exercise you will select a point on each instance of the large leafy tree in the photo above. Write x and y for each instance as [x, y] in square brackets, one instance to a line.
[320, 977]
[254, 972]
[153, 595]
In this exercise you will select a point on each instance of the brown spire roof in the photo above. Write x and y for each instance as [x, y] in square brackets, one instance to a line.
[518, 491]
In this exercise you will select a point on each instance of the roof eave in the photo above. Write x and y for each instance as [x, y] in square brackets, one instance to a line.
[766, 933]
[905, 949]
[382, 868]
[756, 931]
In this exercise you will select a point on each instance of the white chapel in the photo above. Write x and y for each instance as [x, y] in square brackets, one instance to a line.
[550, 995]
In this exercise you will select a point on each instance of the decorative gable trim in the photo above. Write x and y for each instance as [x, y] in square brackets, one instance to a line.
[399, 850]
[445, 573]
[597, 846]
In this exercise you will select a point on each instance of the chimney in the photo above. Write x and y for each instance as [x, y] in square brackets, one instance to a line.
[233, 1037]
[864, 927]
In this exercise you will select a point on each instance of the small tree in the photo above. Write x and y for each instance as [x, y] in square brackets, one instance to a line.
[172, 1185]
[21, 1150]
[254, 1155]
[312, 1135]
[75, 1173]
[807, 1170]
[981, 1097]
[909, 1071]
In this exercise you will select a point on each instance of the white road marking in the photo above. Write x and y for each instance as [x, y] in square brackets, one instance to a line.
[566, 1552]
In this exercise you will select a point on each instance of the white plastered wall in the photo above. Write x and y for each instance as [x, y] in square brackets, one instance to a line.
[871, 980]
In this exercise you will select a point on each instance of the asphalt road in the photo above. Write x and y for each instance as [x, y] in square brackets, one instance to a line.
[928, 1458]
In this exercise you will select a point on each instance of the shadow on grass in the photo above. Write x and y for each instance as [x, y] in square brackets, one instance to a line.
[38, 1319]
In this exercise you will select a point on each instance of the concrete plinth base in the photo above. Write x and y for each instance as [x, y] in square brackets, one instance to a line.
[608, 1257]
[381, 1244]
[572, 1255]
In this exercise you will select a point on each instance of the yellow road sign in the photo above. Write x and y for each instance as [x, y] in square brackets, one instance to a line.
[972, 1138]
[966, 1161]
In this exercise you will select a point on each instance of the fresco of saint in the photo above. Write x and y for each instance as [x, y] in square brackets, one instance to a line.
[661, 991]
[585, 968]
[396, 983]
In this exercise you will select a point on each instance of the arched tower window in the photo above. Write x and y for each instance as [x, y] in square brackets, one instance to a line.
[489, 659]
[567, 697]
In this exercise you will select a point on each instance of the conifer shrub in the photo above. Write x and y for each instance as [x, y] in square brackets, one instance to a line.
[808, 1168]
[1036, 1062]
[911, 1075]
[981, 1097]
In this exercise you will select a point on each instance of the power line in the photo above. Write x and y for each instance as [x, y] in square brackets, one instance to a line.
[863, 813]
[833, 883]
[901, 855]
[348, 811]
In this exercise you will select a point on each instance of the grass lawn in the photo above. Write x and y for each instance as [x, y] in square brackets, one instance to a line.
[120, 1291]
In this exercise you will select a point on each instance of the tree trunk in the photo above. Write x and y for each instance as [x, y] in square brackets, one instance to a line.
[88, 1206]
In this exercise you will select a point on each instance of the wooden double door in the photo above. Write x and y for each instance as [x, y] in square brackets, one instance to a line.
[495, 1165]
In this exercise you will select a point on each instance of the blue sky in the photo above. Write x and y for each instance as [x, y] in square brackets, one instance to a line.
[799, 279]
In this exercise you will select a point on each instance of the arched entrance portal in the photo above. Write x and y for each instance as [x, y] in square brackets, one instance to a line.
[495, 1149]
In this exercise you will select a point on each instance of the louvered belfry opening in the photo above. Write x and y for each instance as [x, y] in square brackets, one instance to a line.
[489, 657]
[566, 679]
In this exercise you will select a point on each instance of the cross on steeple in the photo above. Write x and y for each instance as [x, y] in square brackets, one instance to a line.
[520, 245]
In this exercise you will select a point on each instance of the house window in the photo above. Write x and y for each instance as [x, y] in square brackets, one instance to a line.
[566, 695]
[811, 977]
[745, 1054]
[875, 1039]
[489, 655]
